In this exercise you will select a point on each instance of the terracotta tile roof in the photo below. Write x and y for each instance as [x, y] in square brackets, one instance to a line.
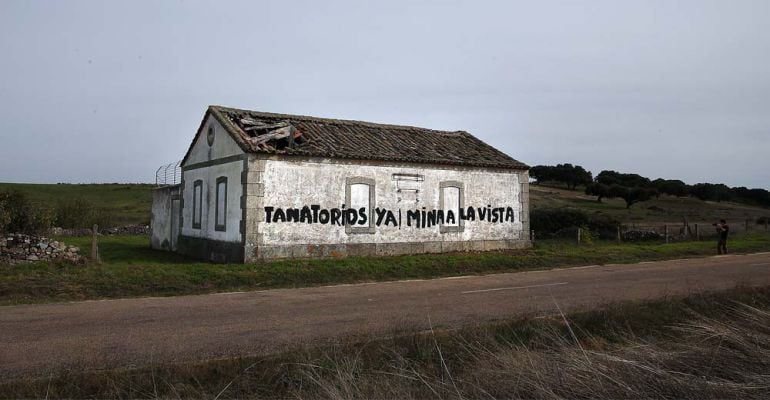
[333, 138]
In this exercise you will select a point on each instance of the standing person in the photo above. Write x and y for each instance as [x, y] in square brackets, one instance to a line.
[722, 230]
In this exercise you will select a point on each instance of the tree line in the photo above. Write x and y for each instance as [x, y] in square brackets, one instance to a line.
[634, 188]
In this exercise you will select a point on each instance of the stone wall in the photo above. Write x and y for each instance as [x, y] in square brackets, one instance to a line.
[116, 230]
[19, 248]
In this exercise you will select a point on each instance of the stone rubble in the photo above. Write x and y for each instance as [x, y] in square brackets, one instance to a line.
[16, 247]
[118, 230]
[127, 230]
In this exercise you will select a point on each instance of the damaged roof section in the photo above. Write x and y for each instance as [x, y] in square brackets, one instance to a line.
[271, 136]
[260, 132]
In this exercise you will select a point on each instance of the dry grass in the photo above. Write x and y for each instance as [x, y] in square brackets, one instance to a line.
[711, 359]
[706, 346]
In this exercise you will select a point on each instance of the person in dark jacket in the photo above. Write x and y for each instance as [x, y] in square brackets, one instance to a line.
[722, 231]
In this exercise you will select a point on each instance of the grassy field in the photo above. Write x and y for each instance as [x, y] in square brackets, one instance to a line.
[130, 203]
[132, 269]
[705, 346]
[666, 209]
[127, 203]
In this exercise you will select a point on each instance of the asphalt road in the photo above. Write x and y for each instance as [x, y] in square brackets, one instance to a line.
[43, 339]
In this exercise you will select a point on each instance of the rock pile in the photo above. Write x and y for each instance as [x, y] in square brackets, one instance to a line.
[18, 247]
[127, 230]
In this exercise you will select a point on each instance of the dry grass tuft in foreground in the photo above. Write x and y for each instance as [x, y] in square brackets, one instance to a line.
[711, 359]
[705, 346]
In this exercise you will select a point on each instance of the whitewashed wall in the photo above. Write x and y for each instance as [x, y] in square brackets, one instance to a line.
[296, 183]
[162, 218]
[223, 147]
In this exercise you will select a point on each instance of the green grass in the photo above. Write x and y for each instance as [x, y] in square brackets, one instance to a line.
[132, 269]
[711, 345]
[127, 203]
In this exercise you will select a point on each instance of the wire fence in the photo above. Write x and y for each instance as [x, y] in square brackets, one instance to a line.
[169, 174]
[662, 231]
[684, 231]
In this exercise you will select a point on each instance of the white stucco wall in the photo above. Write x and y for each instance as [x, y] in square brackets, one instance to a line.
[224, 145]
[161, 218]
[205, 163]
[297, 183]
[208, 176]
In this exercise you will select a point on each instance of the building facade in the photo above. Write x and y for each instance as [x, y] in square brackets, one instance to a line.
[259, 186]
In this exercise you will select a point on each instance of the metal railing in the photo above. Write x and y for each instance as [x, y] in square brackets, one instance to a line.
[169, 174]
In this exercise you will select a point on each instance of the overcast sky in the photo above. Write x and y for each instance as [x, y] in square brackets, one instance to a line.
[107, 91]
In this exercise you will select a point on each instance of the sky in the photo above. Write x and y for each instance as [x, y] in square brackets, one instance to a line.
[107, 91]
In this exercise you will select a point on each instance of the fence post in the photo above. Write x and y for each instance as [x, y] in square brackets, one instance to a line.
[766, 218]
[579, 231]
[620, 238]
[697, 232]
[532, 236]
[665, 230]
[747, 225]
[95, 245]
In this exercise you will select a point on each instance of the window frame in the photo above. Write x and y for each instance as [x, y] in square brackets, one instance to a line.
[460, 227]
[357, 180]
[223, 226]
[197, 202]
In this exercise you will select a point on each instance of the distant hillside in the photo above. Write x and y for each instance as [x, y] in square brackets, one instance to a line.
[666, 209]
[127, 203]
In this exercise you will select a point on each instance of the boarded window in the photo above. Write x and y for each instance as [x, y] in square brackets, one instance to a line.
[359, 197]
[451, 195]
[451, 204]
[221, 210]
[197, 203]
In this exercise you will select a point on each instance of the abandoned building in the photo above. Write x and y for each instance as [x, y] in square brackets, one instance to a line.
[259, 186]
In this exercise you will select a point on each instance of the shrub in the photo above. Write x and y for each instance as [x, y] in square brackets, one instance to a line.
[103, 217]
[5, 216]
[73, 213]
[80, 213]
[551, 221]
[19, 214]
[604, 226]
[564, 222]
